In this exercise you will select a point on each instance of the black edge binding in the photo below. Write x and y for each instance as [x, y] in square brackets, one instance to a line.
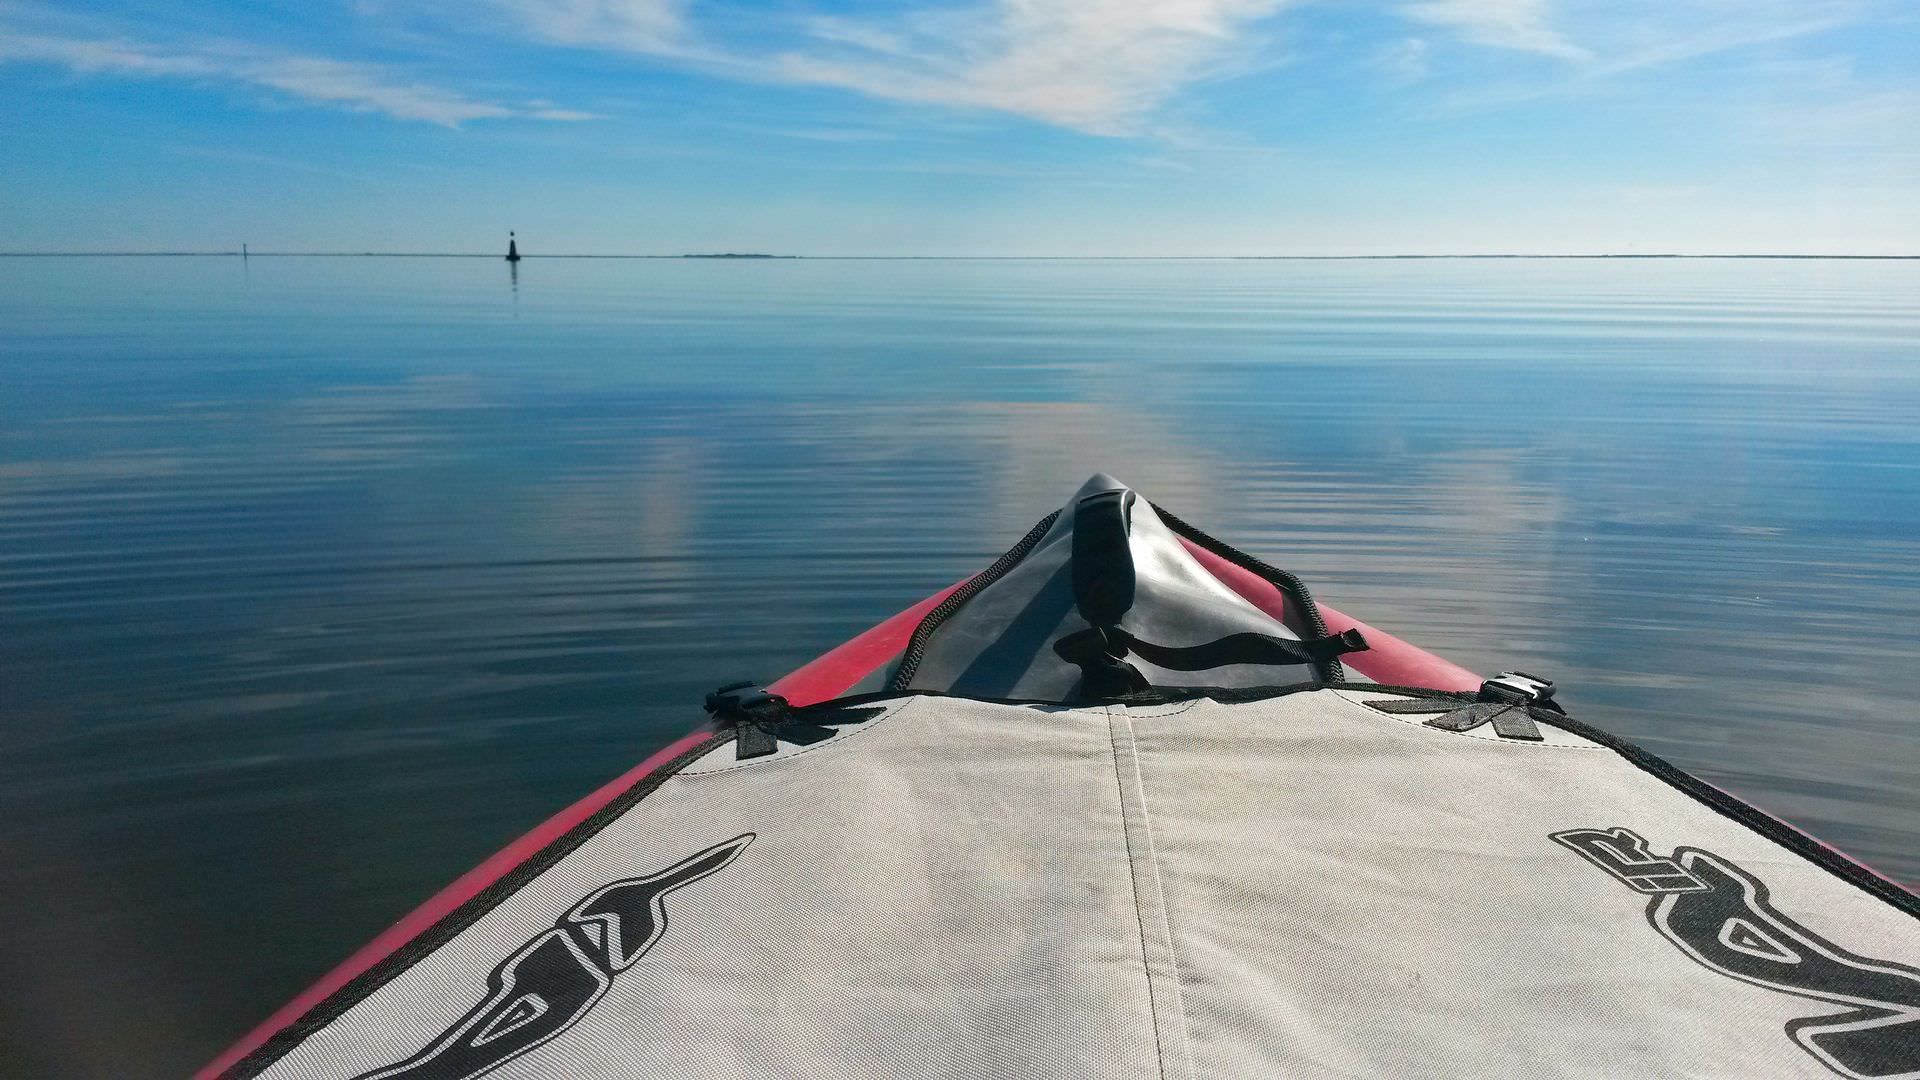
[1326, 668]
[1753, 818]
[419, 948]
[1312, 625]
[917, 644]
[366, 983]
[1729, 806]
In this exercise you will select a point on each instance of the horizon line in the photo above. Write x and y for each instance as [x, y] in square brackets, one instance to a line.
[761, 257]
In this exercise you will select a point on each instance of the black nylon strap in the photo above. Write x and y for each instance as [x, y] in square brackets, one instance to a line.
[1098, 645]
[761, 721]
[1511, 719]
[753, 713]
[1103, 591]
[1104, 584]
[1247, 648]
[1103, 578]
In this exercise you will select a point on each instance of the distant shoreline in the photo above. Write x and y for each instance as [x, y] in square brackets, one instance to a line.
[755, 257]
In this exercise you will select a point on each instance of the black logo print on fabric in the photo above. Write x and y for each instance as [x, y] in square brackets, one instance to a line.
[546, 986]
[1720, 915]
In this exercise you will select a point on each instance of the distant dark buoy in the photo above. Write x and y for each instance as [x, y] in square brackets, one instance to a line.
[513, 249]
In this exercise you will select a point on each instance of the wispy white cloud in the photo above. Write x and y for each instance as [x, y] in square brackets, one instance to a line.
[832, 135]
[1107, 67]
[1403, 61]
[1622, 39]
[650, 26]
[1099, 66]
[1614, 36]
[1505, 24]
[1708, 32]
[1828, 117]
[318, 80]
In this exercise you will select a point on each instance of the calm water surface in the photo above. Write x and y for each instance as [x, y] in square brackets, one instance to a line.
[321, 579]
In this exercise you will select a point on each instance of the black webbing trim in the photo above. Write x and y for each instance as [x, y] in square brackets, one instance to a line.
[1103, 574]
[1104, 581]
[1301, 601]
[366, 983]
[1758, 820]
[917, 644]
[1728, 806]
[1248, 648]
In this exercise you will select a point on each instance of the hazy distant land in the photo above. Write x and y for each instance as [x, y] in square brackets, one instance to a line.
[1042, 258]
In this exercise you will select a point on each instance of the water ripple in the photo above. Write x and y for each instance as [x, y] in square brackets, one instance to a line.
[319, 580]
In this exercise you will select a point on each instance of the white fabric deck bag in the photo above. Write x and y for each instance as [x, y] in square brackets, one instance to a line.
[1312, 883]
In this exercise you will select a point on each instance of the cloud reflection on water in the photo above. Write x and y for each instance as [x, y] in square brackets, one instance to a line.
[351, 601]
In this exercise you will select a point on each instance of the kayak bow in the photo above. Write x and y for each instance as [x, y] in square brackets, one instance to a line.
[1131, 802]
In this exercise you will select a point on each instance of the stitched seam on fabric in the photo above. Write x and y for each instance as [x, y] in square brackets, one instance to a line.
[1184, 1050]
[1727, 805]
[789, 755]
[1133, 883]
[1164, 1045]
[1510, 744]
[1155, 711]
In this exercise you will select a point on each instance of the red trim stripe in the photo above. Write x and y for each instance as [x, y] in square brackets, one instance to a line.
[1388, 659]
[834, 671]
[827, 676]
[464, 888]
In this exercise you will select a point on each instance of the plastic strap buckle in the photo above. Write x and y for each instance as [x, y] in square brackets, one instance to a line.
[742, 699]
[1517, 686]
[754, 713]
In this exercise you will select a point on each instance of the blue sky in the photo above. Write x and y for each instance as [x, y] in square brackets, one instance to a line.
[1032, 127]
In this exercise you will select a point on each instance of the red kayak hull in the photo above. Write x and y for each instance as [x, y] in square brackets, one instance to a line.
[1388, 660]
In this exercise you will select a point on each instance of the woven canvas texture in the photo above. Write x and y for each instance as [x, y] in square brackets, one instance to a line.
[1301, 886]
